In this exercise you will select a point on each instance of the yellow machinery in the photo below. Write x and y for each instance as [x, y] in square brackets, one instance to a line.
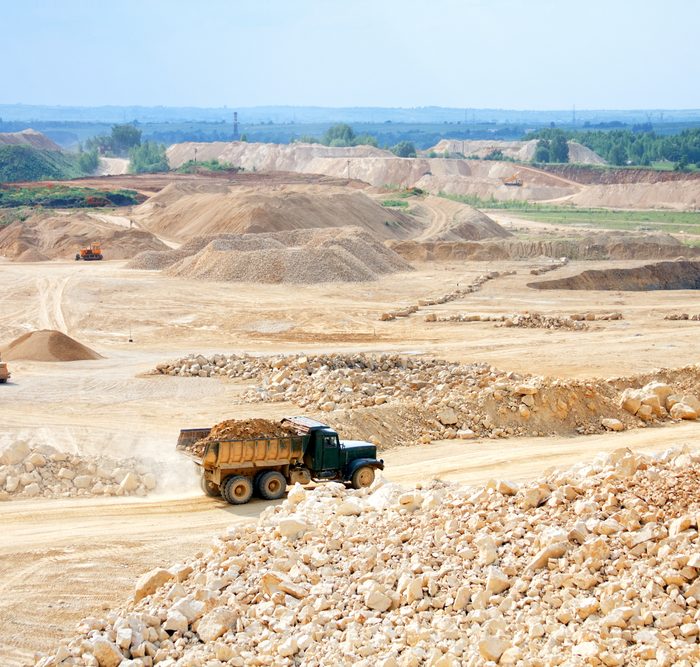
[513, 180]
[93, 252]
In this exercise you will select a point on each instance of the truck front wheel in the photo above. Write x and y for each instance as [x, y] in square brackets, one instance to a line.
[210, 489]
[362, 477]
[272, 485]
[237, 490]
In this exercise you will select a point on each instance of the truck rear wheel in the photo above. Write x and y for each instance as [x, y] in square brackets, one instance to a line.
[237, 490]
[272, 485]
[210, 489]
[362, 477]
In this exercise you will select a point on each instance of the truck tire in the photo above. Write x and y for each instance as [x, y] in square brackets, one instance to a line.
[237, 490]
[272, 485]
[362, 477]
[210, 489]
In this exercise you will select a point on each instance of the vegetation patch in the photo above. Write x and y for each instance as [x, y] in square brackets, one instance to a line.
[395, 203]
[64, 196]
[24, 163]
[192, 167]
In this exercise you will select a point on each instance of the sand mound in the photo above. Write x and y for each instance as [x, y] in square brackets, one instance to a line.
[518, 150]
[345, 254]
[448, 220]
[181, 211]
[53, 235]
[47, 345]
[660, 276]
[29, 138]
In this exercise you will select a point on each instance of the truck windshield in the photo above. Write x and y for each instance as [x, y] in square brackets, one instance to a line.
[330, 442]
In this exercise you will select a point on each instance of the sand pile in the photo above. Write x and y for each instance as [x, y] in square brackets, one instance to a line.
[678, 275]
[181, 211]
[345, 254]
[53, 235]
[595, 565]
[47, 345]
[27, 472]
[29, 138]
[447, 220]
[523, 151]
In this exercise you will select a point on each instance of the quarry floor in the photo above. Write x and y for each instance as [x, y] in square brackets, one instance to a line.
[66, 559]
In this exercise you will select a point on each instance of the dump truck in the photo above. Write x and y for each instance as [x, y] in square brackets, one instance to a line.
[514, 181]
[91, 253]
[4, 373]
[236, 469]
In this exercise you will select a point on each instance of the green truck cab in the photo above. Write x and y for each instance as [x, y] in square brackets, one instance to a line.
[235, 469]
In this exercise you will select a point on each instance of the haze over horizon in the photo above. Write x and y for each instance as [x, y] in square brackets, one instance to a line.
[499, 54]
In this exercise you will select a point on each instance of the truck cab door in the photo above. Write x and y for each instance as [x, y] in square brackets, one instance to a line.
[331, 452]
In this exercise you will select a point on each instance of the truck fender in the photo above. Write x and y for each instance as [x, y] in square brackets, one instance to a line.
[359, 463]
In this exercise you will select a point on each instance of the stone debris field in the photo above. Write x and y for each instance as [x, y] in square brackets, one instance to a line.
[596, 565]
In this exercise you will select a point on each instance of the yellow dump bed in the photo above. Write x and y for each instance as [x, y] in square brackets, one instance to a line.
[241, 454]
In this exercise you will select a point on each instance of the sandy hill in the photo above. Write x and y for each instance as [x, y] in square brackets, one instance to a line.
[181, 211]
[56, 235]
[447, 220]
[518, 150]
[304, 256]
[47, 345]
[28, 138]
[380, 168]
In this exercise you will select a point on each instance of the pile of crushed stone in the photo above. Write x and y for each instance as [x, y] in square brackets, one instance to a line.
[309, 256]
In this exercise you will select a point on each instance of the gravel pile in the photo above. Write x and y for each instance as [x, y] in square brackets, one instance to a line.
[443, 399]
[596, 565]
[241, 429]
[308, 256]
[45, 472]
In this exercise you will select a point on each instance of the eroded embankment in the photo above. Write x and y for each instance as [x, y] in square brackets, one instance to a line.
[679, 275]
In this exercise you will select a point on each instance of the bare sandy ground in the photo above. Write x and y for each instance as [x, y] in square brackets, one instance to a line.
[64, 559]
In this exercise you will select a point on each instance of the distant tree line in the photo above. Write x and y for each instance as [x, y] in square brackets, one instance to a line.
[643, 148]
[125, 140]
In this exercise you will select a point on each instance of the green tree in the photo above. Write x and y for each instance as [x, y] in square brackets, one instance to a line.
[618, 154]
[88, 161]
[559, 148]
[542, 151]
[339, 135]
[125, 137]
[365, 140]
[404, 149]
[148, 158]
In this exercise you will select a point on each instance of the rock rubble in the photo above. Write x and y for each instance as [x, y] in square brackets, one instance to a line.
[595, 565]
[44, 472]
[437, 399]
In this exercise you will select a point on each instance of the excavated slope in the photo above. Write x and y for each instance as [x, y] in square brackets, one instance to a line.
[660, 276]
[47, 345]
[610, 245]
[380, 168]
[182, 211]
[518, 150]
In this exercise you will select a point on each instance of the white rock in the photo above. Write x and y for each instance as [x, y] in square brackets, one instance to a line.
[107, 653]
[14, 453]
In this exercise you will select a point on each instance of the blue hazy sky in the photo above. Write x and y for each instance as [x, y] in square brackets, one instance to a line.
[517, 54]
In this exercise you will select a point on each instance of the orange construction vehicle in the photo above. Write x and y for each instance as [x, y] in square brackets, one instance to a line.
[4, 373]
[89, 254]
[514, 180]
